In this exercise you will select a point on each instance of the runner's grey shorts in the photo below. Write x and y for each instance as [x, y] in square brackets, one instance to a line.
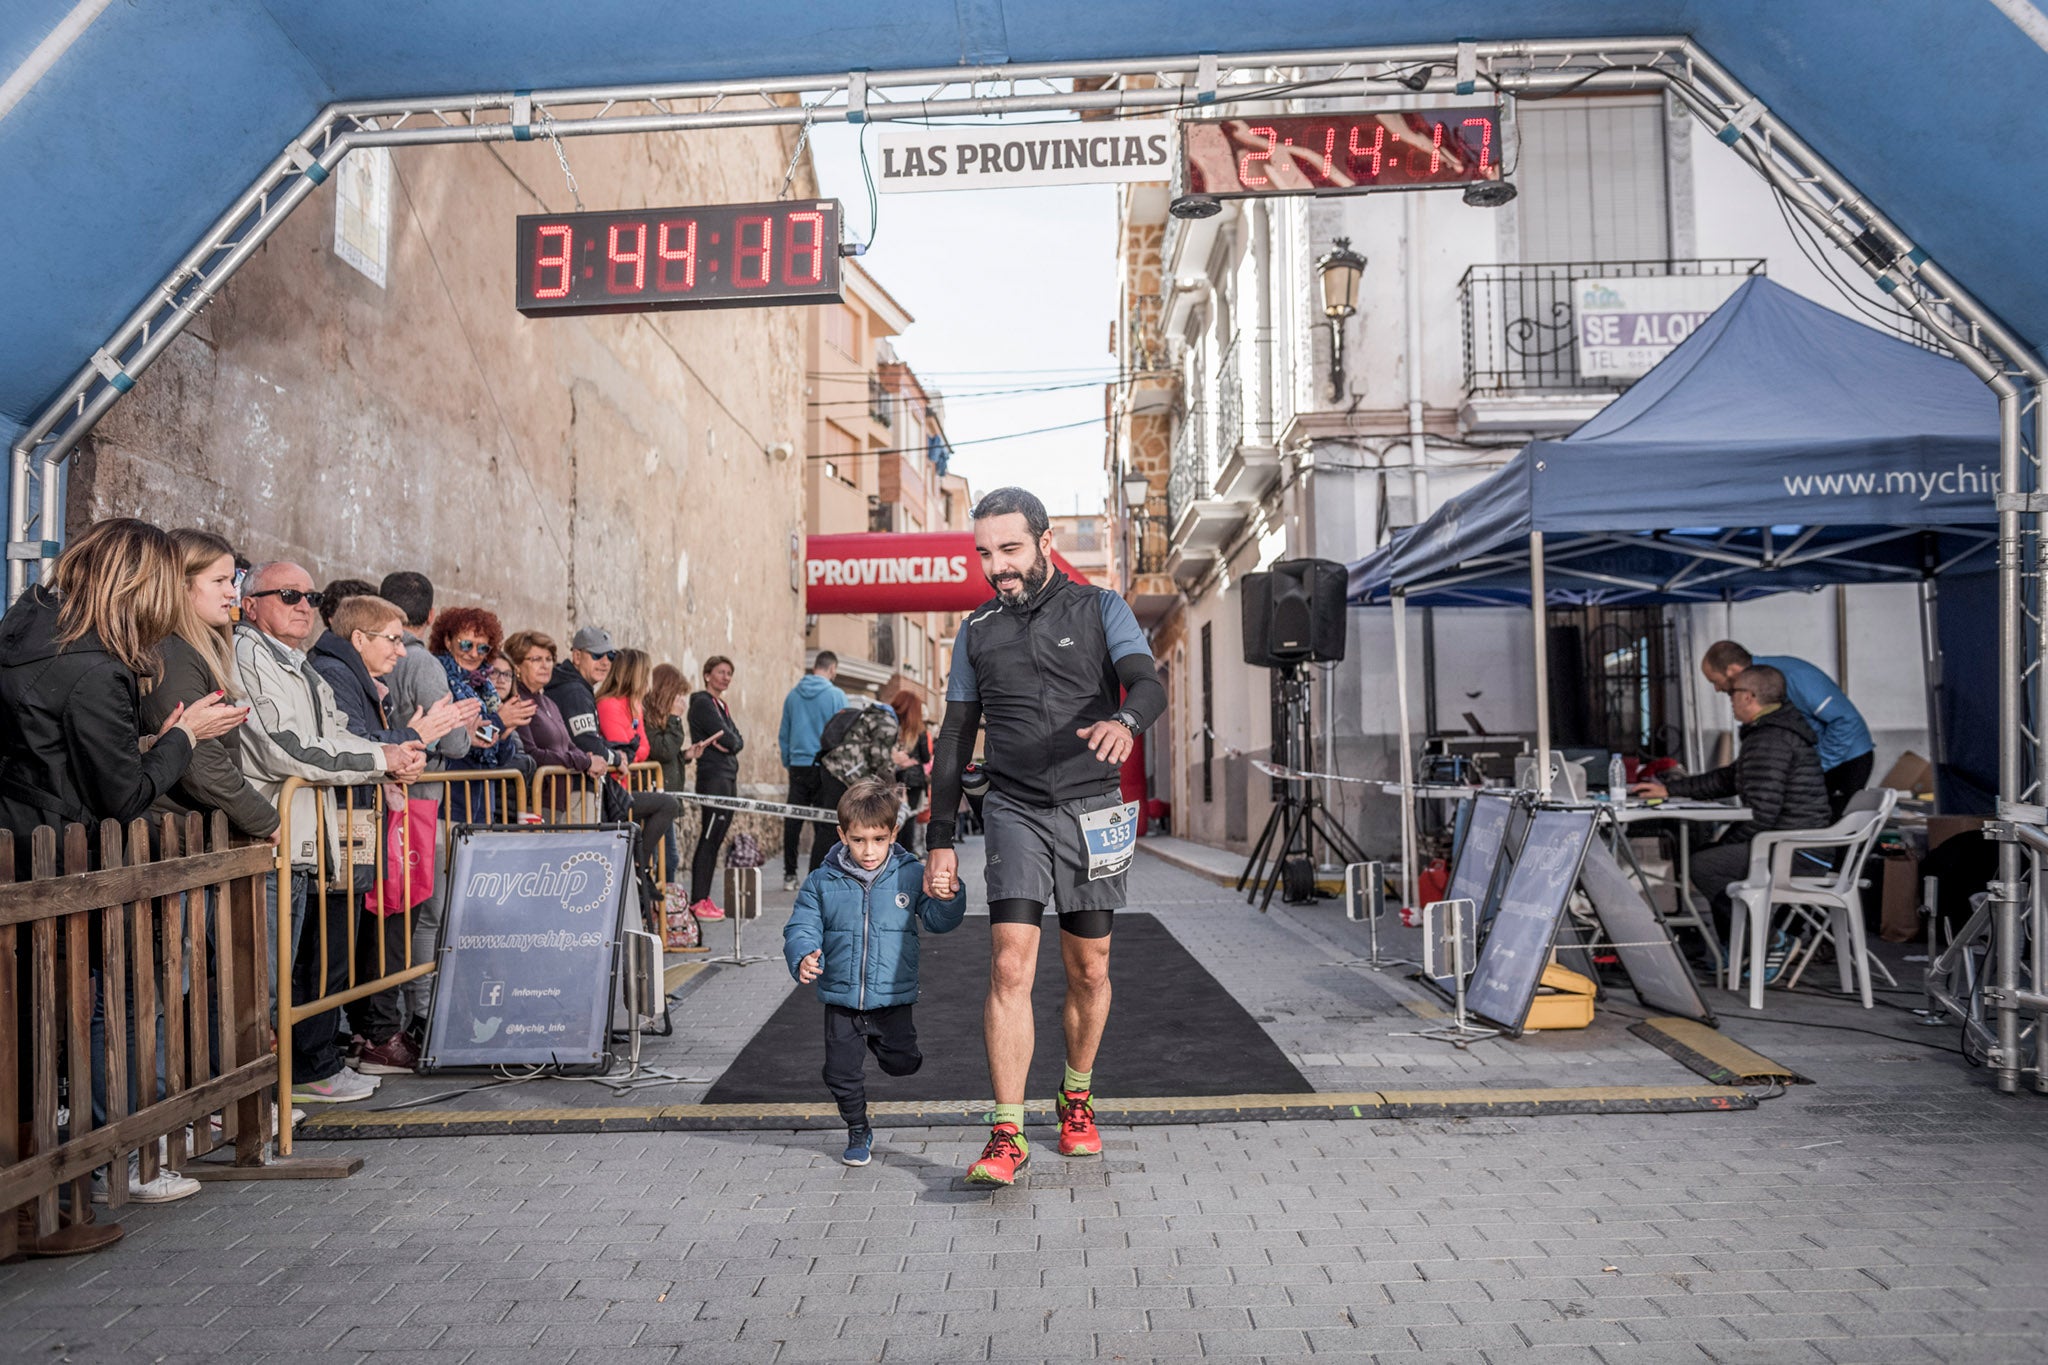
[1036, 853]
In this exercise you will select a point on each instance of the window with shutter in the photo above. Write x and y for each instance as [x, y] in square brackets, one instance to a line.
[1592, 180]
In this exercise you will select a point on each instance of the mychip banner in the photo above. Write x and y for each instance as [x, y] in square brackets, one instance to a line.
[911, 160]
[526, 952]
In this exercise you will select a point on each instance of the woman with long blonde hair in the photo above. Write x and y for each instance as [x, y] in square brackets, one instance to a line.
[198, 661]
[73, 656]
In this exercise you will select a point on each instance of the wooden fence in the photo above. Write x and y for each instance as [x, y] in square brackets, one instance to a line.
[166, 922]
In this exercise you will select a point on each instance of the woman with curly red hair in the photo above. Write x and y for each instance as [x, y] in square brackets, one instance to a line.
[464, 639]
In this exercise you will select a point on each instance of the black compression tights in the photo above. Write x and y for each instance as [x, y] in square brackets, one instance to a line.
[1079, 923]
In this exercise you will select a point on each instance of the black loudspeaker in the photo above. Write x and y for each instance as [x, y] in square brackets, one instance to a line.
[1294, 614]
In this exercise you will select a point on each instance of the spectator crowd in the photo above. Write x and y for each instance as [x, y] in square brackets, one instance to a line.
[156, 672]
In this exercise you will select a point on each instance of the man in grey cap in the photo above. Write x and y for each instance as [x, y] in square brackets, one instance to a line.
[573, 690]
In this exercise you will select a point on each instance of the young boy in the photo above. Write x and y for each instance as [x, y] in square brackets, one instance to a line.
[854, 932]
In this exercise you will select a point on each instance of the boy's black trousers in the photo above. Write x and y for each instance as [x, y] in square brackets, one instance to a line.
[850, 1035]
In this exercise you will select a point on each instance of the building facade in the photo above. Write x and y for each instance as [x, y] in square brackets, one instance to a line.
[1247, 428]
[875, 461]
[362, 398]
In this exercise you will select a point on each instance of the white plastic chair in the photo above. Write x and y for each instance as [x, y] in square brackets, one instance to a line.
[1772, 883]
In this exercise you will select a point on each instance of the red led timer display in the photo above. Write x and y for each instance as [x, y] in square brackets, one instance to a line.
[717, 256]
[1335, 153]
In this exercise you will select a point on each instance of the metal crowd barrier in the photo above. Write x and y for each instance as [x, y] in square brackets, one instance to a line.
[564, 796]
[352, 831]
[166, 925]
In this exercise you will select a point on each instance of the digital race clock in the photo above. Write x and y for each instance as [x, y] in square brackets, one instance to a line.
[1335, 153]
[717, 256]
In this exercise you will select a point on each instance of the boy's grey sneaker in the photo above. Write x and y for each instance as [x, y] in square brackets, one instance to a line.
[789, 881]
[860, 1145]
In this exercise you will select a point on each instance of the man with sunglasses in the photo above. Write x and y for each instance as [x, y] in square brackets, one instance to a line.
[296, 729]
[573, 690]
[1776, 774]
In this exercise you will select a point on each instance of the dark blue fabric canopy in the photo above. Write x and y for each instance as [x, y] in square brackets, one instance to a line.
[1780, 446]
[117, 159]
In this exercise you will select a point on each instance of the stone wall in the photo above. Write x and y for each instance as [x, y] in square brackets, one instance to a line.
[566, 471]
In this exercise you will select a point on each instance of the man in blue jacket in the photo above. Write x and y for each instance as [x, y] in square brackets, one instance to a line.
[854, 932]
[1846, 757]
[813, 701]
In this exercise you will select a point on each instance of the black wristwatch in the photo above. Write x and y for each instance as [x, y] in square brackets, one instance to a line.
[1129, 721]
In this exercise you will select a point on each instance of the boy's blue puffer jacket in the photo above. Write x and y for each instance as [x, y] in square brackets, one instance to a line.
[869, 935]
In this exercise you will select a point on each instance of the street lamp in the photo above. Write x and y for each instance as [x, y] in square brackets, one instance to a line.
[1338, 271]
[1137, 491]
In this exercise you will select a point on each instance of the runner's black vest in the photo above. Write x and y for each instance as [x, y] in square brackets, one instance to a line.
[1044, 672]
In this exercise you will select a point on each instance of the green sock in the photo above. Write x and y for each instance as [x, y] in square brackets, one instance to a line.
[1010, 1113]
[1077, 1082]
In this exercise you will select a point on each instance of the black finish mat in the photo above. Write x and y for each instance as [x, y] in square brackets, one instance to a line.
[1173, 1030]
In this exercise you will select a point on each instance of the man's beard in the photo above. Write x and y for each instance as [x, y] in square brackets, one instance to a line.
[1013, 594]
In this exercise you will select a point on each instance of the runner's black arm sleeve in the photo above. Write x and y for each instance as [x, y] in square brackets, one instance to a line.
[954, 749]
[1144, 694]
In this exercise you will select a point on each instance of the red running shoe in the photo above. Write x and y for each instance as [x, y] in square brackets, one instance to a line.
[1005, 1155]
[1078, 1134]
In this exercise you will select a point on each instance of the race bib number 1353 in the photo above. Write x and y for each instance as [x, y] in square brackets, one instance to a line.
[1111, 837]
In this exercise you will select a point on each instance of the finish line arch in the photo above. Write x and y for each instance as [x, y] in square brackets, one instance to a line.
[977, 40]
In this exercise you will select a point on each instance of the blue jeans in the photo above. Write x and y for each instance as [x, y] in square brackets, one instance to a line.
[315, 1053]
[301, 882]
[99, 1054]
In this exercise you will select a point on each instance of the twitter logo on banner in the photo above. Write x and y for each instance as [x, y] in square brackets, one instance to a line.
[483, 1030]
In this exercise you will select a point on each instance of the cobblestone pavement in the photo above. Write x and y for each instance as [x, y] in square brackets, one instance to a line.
[1892, 1212]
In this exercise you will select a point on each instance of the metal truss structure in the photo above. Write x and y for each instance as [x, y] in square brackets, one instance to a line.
[1829, 204]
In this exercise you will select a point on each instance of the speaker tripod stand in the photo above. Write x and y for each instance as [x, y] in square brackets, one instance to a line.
[1298, 817]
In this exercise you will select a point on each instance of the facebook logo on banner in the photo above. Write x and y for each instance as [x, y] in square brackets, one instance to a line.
[494, 993]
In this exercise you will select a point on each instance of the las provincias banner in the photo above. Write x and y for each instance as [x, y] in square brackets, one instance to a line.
[883, 572]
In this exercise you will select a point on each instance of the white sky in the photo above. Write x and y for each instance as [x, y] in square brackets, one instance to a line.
[1011, 289]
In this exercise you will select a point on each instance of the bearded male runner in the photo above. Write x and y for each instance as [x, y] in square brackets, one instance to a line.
[1042, 666]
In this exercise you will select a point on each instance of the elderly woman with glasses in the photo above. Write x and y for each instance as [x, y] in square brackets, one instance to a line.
[363, 643]
[465, 639]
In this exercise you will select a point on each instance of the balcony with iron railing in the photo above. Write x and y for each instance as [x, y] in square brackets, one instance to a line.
[1534, 364]
[1230, 432]
[1247, 463]
[1522, 330]
[881, 402]
[1148, 545]
[1191, 474]
[1201, 523]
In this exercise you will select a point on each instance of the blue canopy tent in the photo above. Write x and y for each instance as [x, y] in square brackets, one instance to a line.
[1780, 447]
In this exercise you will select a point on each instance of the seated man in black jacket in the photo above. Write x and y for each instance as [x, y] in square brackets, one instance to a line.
[1776, 774]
